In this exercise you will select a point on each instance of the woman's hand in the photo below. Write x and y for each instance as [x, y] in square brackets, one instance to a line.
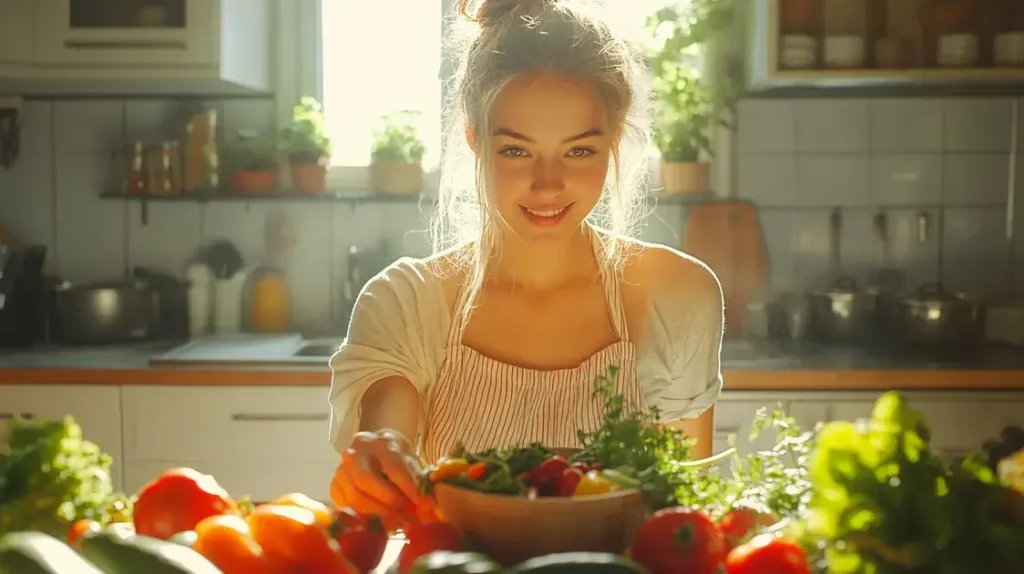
[379, 474]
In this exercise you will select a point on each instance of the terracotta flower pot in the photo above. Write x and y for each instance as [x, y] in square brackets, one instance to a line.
[254, 181]
[684, 177]
[394, 177]
[309, 178]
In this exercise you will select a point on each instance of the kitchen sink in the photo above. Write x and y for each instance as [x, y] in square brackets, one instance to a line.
[318, 349]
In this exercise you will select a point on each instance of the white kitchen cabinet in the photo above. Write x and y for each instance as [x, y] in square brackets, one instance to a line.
[734, 416]
[143, 46]
[97, 409]
[258, 441]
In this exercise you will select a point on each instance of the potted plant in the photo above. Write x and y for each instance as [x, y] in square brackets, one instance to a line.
[305, 141]
[396, 158]
[687, 108]
[252, 165]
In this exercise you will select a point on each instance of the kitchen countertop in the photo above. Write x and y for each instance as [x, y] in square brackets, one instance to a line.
[252, 360]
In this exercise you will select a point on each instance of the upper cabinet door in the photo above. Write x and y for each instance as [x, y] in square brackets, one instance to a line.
[128, 32]
[16, 45]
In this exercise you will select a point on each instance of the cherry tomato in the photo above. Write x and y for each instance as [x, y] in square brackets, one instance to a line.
[679, 540]
[225, 540]
[291, 535]
[178, 500]
[768, 554]
[425, 538]
[323, 514]
[80, 529]
[739, 523]
[567, 484]
[546, 476]
[362, 539]
[477, 471]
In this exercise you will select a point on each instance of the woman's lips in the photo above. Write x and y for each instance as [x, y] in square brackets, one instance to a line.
[548, 217]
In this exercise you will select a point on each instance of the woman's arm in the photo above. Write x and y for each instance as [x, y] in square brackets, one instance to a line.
[702, 429]
[391, 403]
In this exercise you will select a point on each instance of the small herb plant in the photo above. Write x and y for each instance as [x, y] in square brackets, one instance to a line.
[687, 108]
[397, 139]
[253, 154]
[304, 138]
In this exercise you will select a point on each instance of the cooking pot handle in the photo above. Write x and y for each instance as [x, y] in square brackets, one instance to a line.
[845, 282]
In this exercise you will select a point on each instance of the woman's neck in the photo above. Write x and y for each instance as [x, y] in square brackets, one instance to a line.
[545, 266]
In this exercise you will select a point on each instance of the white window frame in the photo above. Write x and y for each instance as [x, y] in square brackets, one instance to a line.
[299, 72]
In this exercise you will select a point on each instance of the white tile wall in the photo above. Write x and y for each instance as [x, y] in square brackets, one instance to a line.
[51, 197]
[800, 157]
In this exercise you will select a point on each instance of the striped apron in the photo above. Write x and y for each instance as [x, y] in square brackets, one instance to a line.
[482, 403]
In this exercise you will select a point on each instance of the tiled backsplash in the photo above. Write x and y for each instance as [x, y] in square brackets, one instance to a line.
[51, 197]
[799, 158]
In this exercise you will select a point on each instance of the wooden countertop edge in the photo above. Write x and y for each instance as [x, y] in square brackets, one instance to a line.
[735, 380]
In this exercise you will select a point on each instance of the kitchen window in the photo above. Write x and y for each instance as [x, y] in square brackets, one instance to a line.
[382, 56]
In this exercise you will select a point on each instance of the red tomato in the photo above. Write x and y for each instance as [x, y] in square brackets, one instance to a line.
[362, 539]
[291, 535]
[177, 501]
[739, 523]
[679, 541]
[768, 554]
[81, 528]
[225, 541]
[426, 538]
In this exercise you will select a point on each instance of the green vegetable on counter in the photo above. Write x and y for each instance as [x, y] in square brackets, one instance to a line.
[118, 553]
[444, 562]
[579, 563]
[50, 477]
[883, 502]
[38, 553]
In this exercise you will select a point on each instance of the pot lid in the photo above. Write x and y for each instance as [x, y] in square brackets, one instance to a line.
[844, 285]
[934, 293]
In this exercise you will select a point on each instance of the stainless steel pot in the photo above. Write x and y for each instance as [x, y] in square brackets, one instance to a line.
[103, 312]
[935, 317]
[841, 313]
[784, 317]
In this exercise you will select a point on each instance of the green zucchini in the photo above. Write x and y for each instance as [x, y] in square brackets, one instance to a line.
[118, 554]
[38, 553]
[442, 562]
[186, 538]
[579, 563]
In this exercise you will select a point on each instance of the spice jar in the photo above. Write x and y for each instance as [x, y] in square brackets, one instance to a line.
[164, 169]
[1008, 42]
[132, 160]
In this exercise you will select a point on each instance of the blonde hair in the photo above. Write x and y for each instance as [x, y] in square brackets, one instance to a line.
[496, 41]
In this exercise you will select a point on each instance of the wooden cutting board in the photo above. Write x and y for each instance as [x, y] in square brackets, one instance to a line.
[727, 236]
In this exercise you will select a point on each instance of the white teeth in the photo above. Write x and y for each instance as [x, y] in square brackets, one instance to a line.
[546, 213]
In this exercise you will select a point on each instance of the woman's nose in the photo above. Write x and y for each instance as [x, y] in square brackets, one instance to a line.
[548, 176]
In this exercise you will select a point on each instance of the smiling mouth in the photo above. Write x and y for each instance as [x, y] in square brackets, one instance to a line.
[547, 212]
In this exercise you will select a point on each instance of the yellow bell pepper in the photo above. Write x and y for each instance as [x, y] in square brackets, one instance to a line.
[449, 468]
[594, 482]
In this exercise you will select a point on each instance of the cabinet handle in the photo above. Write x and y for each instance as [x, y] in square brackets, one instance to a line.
[10, 416]
[261, 417]
[126, 45]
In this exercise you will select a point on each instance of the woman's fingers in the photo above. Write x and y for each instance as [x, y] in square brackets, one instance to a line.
[401, 469]
[362, 467]
[365, 504]
[337, 489]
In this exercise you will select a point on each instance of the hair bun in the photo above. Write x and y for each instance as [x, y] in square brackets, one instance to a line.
[488, 12]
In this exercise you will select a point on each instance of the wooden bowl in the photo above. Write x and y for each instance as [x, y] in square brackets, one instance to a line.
[512, 528]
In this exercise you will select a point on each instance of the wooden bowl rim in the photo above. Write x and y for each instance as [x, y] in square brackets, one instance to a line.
[549, 501]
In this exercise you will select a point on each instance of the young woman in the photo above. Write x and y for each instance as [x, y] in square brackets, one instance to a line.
[498, 339]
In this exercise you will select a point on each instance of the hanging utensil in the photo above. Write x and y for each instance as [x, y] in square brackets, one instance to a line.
[888, 282]
[839, 313]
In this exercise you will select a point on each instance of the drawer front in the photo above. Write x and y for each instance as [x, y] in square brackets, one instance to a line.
[262, 480]
[243, 425]
[737, 418]
[97, 409]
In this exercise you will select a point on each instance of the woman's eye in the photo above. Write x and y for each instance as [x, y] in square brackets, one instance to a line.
[581, 152]
[513, 151]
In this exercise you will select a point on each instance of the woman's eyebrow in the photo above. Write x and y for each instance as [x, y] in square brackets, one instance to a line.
[516, 135]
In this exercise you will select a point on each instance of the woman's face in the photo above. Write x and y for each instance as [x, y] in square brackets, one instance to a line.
[551, 144]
